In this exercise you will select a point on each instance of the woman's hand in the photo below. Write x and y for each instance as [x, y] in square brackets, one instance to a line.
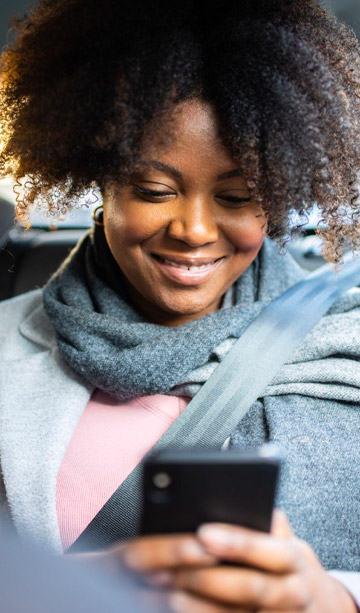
[272, 572]
[281, 573]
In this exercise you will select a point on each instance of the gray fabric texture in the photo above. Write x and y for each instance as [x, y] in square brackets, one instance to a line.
[109, 343]
[320, 479]
[115, 348]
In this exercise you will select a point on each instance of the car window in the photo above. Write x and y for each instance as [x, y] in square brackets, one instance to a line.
[79, 218]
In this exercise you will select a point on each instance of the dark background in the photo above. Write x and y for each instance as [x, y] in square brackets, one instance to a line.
[347, 10]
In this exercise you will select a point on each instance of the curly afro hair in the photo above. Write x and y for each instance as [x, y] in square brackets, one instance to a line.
[83, 81]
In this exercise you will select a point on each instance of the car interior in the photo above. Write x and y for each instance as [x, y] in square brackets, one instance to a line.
[29, 257]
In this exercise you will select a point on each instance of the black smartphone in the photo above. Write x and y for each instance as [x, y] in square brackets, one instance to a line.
[184, 488]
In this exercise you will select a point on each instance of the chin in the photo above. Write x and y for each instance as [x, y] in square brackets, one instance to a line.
[190, 307]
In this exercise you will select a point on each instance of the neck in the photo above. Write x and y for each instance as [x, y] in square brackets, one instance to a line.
[157, 315]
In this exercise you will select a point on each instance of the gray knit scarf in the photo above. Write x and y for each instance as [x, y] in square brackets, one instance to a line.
[110, 344]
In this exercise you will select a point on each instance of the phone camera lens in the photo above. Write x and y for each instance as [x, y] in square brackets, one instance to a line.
[161, 480]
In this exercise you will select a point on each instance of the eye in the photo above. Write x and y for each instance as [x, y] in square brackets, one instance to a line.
[235, 200]
[150, 193]
[156, 194]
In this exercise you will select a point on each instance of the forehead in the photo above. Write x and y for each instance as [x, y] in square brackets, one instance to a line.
[194, 118]
[187, 135]
[177, 174]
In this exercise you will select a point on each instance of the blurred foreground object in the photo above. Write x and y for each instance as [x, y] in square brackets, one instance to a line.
[35, 582]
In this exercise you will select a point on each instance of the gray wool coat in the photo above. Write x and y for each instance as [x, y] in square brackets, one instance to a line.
[41, 401]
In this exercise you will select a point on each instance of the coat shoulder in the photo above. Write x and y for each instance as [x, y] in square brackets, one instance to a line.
[24, 326]
[14, 310]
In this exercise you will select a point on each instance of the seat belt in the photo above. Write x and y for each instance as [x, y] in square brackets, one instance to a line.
[228, 394]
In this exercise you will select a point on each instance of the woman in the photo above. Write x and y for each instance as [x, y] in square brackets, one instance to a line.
[205, 131]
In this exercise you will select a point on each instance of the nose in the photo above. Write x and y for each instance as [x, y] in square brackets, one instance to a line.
[194, 223]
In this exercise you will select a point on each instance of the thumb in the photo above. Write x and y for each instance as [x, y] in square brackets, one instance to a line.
[280, 525]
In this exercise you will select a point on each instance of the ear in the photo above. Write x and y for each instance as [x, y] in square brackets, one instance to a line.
[263, 220]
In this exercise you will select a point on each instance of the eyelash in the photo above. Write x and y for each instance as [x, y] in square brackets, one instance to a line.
[155, 194]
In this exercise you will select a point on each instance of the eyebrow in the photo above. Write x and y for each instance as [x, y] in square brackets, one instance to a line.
[174, 172]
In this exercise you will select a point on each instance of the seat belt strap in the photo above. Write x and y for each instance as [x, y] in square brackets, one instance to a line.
[225, 398]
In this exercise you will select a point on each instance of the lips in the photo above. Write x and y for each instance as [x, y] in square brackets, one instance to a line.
[187, 264]
[185, 271]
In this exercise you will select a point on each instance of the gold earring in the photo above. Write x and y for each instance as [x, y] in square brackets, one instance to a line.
[97, 215]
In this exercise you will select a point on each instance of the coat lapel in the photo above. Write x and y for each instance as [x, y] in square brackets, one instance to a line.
[40, 404]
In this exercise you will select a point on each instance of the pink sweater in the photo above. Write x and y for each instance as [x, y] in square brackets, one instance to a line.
[111, 438]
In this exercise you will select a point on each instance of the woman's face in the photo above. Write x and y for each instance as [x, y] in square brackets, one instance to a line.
[184, 228]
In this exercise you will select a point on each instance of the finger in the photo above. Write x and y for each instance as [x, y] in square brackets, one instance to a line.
[151, 553]
[280, 525]
[244, 588]
[180, 602]
[251, 548]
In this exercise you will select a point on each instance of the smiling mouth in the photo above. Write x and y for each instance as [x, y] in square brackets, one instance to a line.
[187, 267]
[185, 272]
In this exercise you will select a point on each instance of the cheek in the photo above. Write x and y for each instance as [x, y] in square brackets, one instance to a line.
[248, 234]
[129, 226]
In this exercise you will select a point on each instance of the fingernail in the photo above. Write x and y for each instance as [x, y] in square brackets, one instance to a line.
[216, 535]
[161, 579]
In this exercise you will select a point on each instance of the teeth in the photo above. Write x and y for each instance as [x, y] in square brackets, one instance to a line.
[188, 268]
